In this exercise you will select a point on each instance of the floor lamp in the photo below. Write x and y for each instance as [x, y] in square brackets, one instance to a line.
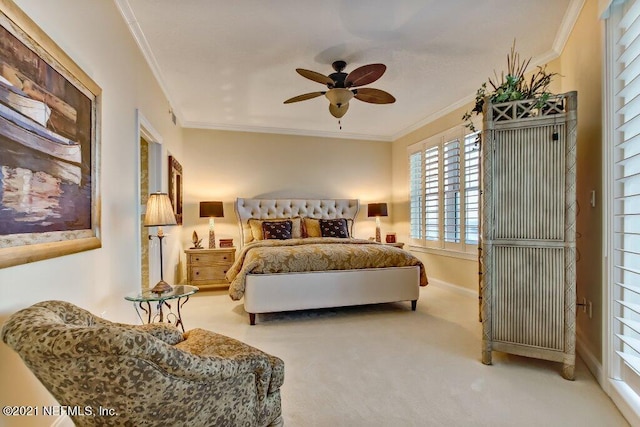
[159, 213]
[377, 210]
[211, 210]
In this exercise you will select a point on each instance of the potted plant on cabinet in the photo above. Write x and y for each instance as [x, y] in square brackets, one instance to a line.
[514, 86]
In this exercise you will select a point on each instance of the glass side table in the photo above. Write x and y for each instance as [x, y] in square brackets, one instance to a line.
[143, 300]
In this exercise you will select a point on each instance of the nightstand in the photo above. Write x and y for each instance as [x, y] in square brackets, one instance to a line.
[206, 268]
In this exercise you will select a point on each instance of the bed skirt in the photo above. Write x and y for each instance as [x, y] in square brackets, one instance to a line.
[267, 293]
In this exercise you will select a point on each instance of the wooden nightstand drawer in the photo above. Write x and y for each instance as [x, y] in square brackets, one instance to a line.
[207, 267]
[208, 273]
[211, 257]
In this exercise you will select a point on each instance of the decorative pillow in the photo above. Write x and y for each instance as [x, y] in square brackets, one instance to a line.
[280, 230]
[334, 228]
[255, 226]
[311, 227]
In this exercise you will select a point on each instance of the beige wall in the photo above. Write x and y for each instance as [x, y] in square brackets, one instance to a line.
[224, 165]
[581, 67]
[95, 36]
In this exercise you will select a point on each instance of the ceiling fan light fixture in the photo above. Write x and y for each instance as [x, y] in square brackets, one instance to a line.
[339, 96]
[342, 87]
[340, 111]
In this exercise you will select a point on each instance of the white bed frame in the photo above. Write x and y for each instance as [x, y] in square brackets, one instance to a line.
[267, 293]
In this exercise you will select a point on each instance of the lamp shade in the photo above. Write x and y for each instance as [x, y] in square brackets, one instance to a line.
[377, 209]
[211, 209]
[159, 211]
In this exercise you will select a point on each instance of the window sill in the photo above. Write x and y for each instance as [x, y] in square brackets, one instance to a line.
[472, 256]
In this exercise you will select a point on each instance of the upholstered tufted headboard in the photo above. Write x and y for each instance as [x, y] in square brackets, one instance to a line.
[290, 208]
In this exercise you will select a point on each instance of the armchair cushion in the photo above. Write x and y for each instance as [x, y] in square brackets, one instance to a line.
[205, 343]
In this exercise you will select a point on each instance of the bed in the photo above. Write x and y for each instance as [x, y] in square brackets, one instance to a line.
[310, 267]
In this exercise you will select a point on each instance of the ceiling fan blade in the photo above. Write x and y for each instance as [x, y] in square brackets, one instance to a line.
[374, 96]
[364, 75]
[316, 77]
[340, 111]
[304, 97]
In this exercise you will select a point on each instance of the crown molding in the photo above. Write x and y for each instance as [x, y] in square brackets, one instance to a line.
[130, 19]
[435, 116]
[568, 22]
[566, 26]
[286, 131]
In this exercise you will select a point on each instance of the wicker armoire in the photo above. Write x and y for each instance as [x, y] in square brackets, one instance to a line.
[528, 221]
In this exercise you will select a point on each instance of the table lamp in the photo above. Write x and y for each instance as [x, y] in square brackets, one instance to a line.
[159, 213]
[377, 210]
[211, 210]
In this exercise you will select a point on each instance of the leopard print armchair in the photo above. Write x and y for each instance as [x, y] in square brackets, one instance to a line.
[145, 375]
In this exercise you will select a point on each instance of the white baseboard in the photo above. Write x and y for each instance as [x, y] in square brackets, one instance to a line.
[626, 400]
[452, 287]
[589, 359]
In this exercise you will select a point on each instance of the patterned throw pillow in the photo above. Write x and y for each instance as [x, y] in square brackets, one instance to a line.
[255, 228]
[280, 230]
[334, 227]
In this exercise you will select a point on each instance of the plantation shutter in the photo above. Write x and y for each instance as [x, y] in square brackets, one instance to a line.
[471, 188]
[626, 198]
[432, 193]
[415, 196]
[451, 187]
[443, 180]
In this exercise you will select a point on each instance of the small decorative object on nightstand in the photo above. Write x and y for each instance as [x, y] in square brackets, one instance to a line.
[377, 210]
[226, 243]
[197, 242]
[211, 210]
[390, 238]
[206, 268]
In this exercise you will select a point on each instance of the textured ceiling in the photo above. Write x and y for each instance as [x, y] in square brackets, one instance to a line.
[231, 64]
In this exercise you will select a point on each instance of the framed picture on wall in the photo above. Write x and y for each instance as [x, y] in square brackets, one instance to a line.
[175, 187]
[49, 146]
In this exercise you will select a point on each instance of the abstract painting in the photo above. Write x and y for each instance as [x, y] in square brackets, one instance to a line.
[49, 146]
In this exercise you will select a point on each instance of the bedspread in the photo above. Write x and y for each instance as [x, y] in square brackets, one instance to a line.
[314, 254]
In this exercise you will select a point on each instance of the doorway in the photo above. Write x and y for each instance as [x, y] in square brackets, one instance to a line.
[149, 181]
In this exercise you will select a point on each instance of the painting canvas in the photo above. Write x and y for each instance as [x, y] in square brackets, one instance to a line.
[49, 112]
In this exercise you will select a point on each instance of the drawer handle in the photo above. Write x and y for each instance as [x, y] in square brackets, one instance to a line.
[197, 259]
[197, 273]
[225, 271]
[224, 257]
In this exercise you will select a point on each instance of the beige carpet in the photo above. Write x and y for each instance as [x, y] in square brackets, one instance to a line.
[384, 365]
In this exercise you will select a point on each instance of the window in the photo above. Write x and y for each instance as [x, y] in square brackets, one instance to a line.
[622, 180]
[471, 188]
[444, 191]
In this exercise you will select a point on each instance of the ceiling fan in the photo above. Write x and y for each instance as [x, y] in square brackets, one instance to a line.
[342, 87]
